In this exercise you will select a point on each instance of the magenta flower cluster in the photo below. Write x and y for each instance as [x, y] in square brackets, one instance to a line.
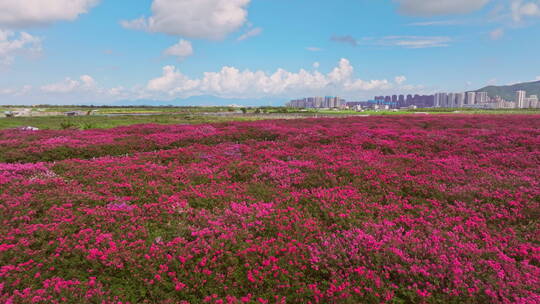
[441, 209]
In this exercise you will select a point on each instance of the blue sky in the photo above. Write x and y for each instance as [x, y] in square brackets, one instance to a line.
[103, 51]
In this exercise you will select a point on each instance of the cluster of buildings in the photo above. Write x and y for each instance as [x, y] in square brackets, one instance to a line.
[329, 102]
[524, 102]
[379, 102]
[460, 100]
[480, 100]
[401, 101]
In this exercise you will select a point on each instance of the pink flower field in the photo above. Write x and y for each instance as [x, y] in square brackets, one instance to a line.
[390, 209]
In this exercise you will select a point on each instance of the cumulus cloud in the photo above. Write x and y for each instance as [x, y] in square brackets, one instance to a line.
[232, 82]
[81, 90]
[15, 92]
[68, 85]
[316, 65]
[209, 19]
[229, 82]
[400, 79]
[25, 13]
[521, 9]
[181, 50]
[140, 24]
[251, 33]
[439, 7]
[12, 45]
[313, 49]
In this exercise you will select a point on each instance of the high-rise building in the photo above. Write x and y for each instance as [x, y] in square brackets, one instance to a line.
[520, 99]
[440, 100]
[401, 100]
[460, 100]
[533, 101]
[318, 102]
[451, 101]
[338, 102]
[409, 100]
[471, 98]
[327, 102]
[481, 97]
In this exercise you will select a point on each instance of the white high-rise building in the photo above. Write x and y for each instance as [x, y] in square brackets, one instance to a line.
[440, 100]
[520, 99]
[533, 101]
[318, 101]
[460, 100]
[481, 97]
[451, 101]
[471, 98]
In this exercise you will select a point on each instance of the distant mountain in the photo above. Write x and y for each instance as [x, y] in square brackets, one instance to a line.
[509, 92]
[203, 101]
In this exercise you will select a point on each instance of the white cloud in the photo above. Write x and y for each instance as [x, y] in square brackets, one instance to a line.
[415, 42]
[493, 81]
[6, 91]
[210, 19]
[85, 83]
[171, 81]
[313, 49]
[538, 78]
[181, 50]
[251, 33]
[496, 34]
[437, 23]
[410, 42]
[400, 79]
[521, 9]
[12, 45]
[136, 24]
[234, 83]
[439, 7]
[316, 65]
[15, 92]
[24, 13]
[229, 82]
[66, 86]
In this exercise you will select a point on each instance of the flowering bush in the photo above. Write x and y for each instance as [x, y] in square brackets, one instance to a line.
[438, 209]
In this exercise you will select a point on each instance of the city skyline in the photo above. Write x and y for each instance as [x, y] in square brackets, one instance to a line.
[470, 99]
[104, 51]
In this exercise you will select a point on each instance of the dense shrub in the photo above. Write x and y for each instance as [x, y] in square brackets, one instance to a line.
[441, 209]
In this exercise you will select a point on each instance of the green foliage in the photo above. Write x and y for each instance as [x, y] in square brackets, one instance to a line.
[67, 124]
